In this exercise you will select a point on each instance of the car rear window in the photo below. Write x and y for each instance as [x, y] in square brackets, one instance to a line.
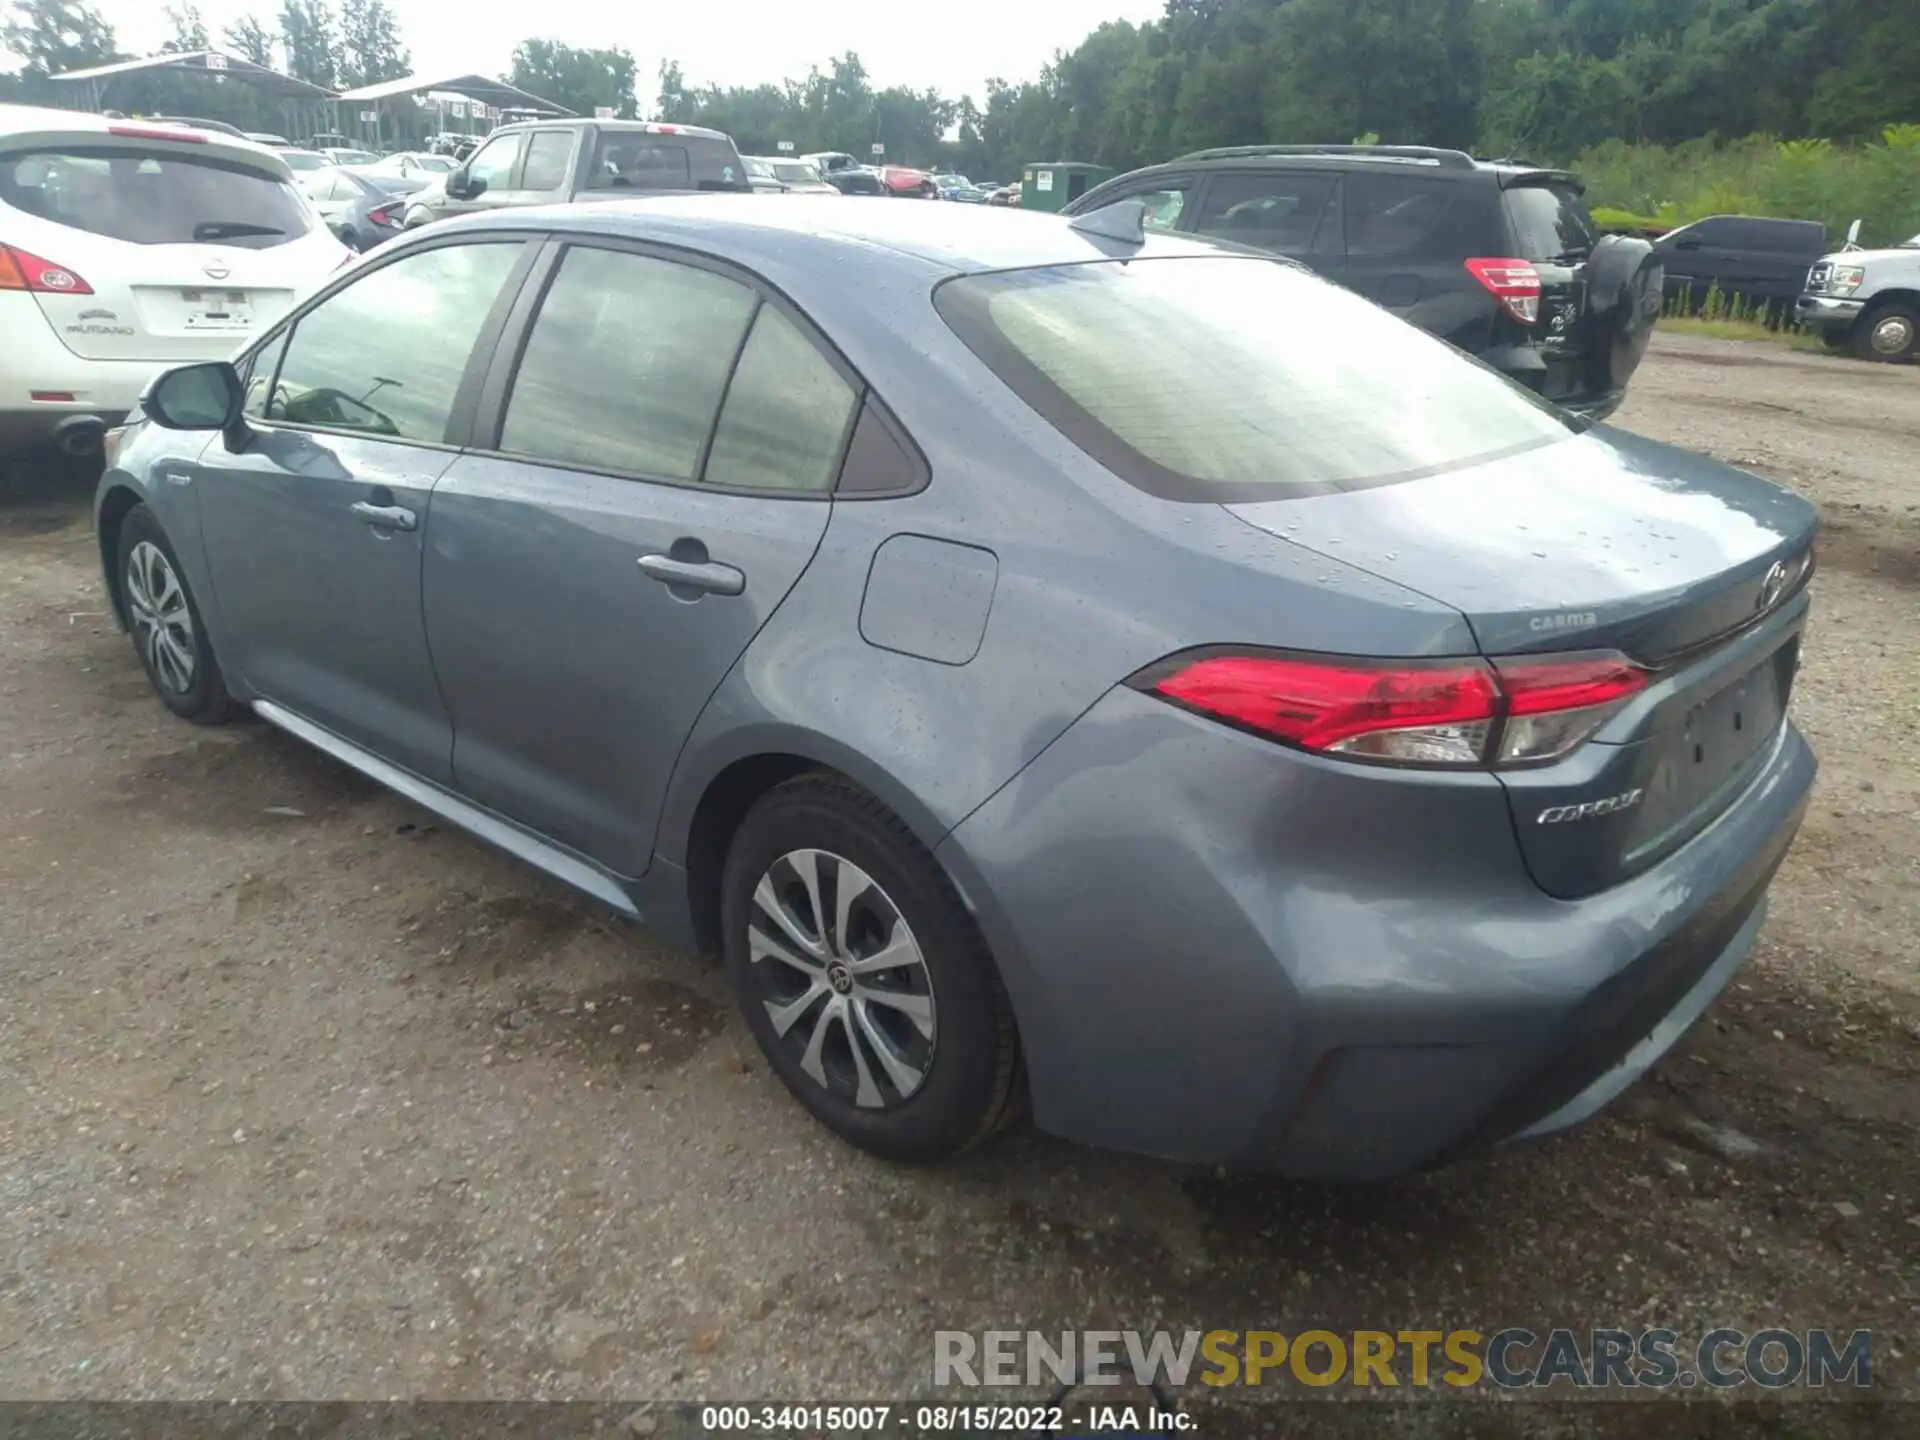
[146, 198]
[1228, 379]
[1550, 222]
[637, 160]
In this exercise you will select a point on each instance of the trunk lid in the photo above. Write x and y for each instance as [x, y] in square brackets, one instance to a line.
[1604, 542]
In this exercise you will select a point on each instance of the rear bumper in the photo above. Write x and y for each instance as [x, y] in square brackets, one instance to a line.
[1526, 364]
[34, 365]
[1826, 312]
[1222, 951]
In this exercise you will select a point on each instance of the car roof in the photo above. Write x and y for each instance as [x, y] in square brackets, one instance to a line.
[77, 126]
[1391, 159]
[803, 230]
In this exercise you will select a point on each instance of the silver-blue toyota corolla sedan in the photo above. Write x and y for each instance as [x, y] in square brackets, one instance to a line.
[1061, 663]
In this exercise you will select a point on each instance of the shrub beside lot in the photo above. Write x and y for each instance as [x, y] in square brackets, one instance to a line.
[1653, 188]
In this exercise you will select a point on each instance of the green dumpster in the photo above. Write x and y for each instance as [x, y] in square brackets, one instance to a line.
[1051, 185]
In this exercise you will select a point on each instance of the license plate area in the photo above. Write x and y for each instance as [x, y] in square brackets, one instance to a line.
[216, 309]
[1717, 740]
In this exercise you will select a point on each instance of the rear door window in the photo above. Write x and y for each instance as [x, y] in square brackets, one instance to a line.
[1549, 222]
[1270, 210]
[148, 198]
[626, 365]
[784, 424]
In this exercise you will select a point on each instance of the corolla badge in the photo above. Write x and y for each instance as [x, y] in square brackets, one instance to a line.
[1612, 805]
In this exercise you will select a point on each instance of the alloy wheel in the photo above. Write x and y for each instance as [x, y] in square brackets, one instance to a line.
[162, 623]
[843, 979]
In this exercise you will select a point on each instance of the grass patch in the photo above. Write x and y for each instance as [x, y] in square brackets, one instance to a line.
[1730, 329]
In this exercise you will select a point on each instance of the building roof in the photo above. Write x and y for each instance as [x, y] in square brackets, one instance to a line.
[482, 88]
[208, 62]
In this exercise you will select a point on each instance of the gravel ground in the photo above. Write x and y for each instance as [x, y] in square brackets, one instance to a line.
[307, 1097]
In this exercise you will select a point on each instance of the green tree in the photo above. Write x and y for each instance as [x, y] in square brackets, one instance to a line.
[249, 39]
[53, 36]
[579, 80]
[312, 43]
[189, 30]
[370, 48]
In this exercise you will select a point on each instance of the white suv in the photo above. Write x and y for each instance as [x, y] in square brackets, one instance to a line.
[127, 248]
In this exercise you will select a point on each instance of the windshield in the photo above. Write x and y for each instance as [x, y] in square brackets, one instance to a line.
[796, 172]
[354, 157]
[760, 168]
[154, 199]
[305, 159]
[1228, 379]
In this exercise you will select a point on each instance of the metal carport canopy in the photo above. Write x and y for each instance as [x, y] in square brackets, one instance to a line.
[206, 62]
[495, 93]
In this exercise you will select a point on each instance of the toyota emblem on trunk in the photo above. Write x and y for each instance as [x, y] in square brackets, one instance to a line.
[1772, 586]
[216, 270]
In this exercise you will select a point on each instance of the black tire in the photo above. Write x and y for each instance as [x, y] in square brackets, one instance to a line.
[1626, 283]
[203, 699]
[1870, 328]
[971, 1064]
[1836, 339]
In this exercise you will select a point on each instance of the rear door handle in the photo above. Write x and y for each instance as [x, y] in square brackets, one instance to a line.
[386, 517]
[710, 575]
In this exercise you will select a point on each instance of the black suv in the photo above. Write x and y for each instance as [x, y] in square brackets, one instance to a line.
[1498, 257]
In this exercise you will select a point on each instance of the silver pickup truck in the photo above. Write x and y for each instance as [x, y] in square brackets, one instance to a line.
[548, 162]
[1867, 301]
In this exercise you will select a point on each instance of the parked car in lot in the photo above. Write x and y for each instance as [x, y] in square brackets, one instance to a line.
[361, 210]
[783, 175]
[412, 165]
[274, 142]
[1867, 301]
[298, 160]
[959, 188]
[1501, 260]
[546, 161]
[1135, 671]
[347, 155]
[1747, 259]
[846, 174]
[906, 182]
[125, 247]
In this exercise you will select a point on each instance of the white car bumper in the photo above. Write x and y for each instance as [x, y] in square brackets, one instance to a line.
[42, 382]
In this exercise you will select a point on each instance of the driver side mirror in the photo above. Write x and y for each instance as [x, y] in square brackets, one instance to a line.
[463, 186]
[207, 396]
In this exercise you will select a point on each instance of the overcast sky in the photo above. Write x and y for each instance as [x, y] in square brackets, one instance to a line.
[953, 49]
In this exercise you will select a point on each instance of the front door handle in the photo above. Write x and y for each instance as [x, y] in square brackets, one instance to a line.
[386, 517]
[710, 576]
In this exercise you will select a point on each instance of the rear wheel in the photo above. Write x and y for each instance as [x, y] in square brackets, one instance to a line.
[165, 624]
[1887, 334]
[862, 976]
[1836, 339]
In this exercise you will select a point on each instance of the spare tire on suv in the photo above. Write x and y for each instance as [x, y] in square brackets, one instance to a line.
[1625, 283]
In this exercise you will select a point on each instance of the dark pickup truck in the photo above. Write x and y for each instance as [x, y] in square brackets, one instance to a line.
[546, 162]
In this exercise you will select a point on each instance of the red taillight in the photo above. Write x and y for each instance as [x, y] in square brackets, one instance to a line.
[1515, 283]
[382, 216]
[141, 132]
[23, 270]
[1450, 712]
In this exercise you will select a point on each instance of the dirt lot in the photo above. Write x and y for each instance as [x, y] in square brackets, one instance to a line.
[306, 1097]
